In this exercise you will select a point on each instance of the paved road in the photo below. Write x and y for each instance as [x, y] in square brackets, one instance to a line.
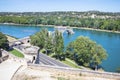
[44, 59]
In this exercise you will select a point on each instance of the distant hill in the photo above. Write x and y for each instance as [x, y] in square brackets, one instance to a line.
[68, 13]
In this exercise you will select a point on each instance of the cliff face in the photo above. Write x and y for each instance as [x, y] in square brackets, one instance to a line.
[43, 73]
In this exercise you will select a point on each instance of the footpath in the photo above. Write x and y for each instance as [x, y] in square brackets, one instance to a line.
[8, 68]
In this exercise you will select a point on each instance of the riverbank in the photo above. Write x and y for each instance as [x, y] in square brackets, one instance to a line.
[26, 24]
[85, 28]
[11, 38]
[96, 29]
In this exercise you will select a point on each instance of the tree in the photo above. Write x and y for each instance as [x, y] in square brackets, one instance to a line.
[42, 39]
[39, 38]
[50, 43]
[3, 41]
[86, 52]
[59, 45]
[118, 70]
[0, 53]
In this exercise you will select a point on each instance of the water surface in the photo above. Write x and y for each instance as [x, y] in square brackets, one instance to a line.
[110, 41]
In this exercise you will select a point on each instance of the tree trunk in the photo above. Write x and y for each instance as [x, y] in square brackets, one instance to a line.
[0, 53]
[96, 68]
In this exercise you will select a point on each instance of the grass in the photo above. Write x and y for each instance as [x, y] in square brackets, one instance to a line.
[61, 78]
[71, 63]
[17, 53]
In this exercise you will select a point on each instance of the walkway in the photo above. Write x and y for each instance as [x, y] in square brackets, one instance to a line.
[8, 68]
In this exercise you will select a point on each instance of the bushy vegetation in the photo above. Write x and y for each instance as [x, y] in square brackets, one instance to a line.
[3, 41]
[51, 43]
[118, 70]
[86, 52]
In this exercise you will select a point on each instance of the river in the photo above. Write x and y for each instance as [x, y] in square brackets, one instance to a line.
[110, 41]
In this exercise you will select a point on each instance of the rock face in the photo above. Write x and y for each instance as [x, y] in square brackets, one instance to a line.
[3, 55]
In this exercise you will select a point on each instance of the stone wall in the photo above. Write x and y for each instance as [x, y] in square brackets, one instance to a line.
[80, 72]
[4, 58]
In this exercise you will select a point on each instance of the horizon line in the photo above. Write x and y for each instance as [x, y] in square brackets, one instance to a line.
[62, 11]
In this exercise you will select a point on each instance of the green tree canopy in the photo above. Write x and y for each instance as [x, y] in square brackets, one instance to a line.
[43, 39]
[86, 52]
[118, 70]
[3, 41]
[40, 39]
[52, 43]
[58, 45]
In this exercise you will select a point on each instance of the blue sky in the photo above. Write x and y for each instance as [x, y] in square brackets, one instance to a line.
[59, 5]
